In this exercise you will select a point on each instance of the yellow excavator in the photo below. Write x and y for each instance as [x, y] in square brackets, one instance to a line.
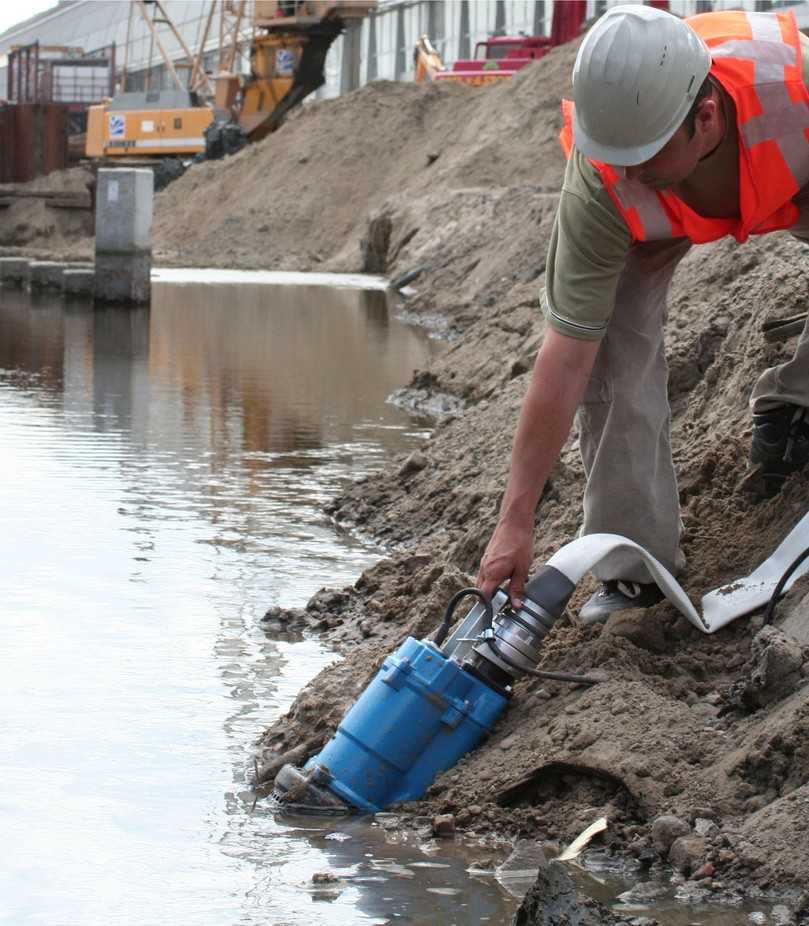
[203, 117]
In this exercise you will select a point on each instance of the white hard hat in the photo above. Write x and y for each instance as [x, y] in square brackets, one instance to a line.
[636, 75]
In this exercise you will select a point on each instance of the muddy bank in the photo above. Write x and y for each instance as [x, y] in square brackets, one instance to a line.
[683, 728]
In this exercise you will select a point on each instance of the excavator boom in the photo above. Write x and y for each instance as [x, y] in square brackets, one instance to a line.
[288, 56]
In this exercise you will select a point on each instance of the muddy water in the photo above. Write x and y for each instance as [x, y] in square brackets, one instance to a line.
[163, 473]
[162, 479]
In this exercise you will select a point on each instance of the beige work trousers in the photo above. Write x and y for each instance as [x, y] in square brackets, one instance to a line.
[624, 420]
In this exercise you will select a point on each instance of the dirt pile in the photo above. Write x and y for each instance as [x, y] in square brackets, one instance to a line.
[464, 182]
[34, 226]
[462, 179]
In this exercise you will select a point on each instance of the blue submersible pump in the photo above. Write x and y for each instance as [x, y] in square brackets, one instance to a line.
[429, 704]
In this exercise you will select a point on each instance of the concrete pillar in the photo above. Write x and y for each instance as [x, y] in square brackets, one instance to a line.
[123, 235]
[14, 271]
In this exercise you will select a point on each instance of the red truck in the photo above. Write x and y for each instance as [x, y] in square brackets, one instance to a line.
[502, 56]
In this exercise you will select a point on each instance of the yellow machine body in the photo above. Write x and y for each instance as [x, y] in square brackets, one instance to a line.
[274, 59]
[289, 44]
[154, 132]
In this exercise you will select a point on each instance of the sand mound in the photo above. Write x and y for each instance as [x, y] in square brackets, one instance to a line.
[442, 154]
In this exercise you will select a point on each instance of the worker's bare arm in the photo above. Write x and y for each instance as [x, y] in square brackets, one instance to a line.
[560, 375]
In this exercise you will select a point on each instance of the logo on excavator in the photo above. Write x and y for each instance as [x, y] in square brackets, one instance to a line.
[285, 62]
[117, 125]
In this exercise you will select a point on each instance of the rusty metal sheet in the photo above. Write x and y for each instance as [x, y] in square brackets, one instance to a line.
[33, 141]
[6, 144]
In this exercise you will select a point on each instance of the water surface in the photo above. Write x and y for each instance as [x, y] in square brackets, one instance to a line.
[162, 481]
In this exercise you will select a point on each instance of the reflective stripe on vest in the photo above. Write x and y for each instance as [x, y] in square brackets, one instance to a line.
[782, 120]
[654, 220]
[753, 55]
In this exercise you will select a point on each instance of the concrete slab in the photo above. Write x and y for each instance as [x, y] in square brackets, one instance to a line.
[14, 271]
[79, 281]
[46, 274]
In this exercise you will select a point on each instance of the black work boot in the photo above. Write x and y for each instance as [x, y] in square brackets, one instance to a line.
[618, 595]
[780, 444]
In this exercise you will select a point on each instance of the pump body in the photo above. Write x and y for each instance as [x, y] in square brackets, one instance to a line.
[428, 705]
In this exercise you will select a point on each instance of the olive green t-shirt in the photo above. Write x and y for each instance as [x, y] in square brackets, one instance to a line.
[588, 249]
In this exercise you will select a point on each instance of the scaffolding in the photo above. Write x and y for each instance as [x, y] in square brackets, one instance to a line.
[62, 74]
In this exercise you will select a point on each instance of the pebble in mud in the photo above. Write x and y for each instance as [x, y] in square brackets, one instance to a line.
[706, 871]
[443, 826]
[703, 827]
[666, 829]
[325, 877]
[781, 915]
[643, 892]
[413, 464]
[686, 853]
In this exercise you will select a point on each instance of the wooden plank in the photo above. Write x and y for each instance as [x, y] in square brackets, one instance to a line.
[72, 202]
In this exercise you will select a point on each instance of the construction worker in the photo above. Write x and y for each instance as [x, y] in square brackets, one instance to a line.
[683, 131]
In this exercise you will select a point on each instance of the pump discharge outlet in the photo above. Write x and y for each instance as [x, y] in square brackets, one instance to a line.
[429, 704]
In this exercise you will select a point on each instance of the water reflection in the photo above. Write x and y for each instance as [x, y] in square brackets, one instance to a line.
[162, 481]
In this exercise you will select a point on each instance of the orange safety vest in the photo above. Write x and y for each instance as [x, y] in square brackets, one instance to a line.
[756, 57]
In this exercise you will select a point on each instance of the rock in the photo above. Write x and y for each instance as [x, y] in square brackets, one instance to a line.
[275, 614]
[325, 877]
[643, 892]
[776, 673]
[757, 918]
[553, 900]
[666, 829]
[619, 706]
[415, 463]
[646, 858]
[781, 915]
[703, 827]
[686, 853]
[706, 871]
[444, 826]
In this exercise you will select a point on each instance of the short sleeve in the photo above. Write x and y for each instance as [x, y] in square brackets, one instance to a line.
[587, 252]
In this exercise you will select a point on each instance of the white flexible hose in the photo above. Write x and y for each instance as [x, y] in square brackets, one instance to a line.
[720, 606]
[581, 555]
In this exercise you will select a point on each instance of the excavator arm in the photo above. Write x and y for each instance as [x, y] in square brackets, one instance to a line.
[288, 56]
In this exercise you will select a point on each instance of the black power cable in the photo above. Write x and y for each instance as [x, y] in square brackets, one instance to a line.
[443, 630]
[769, 613]
[539, 673]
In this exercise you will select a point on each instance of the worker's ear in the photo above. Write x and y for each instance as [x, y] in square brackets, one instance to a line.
[707, 113]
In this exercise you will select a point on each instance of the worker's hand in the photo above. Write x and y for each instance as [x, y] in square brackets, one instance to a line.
[508, 557]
